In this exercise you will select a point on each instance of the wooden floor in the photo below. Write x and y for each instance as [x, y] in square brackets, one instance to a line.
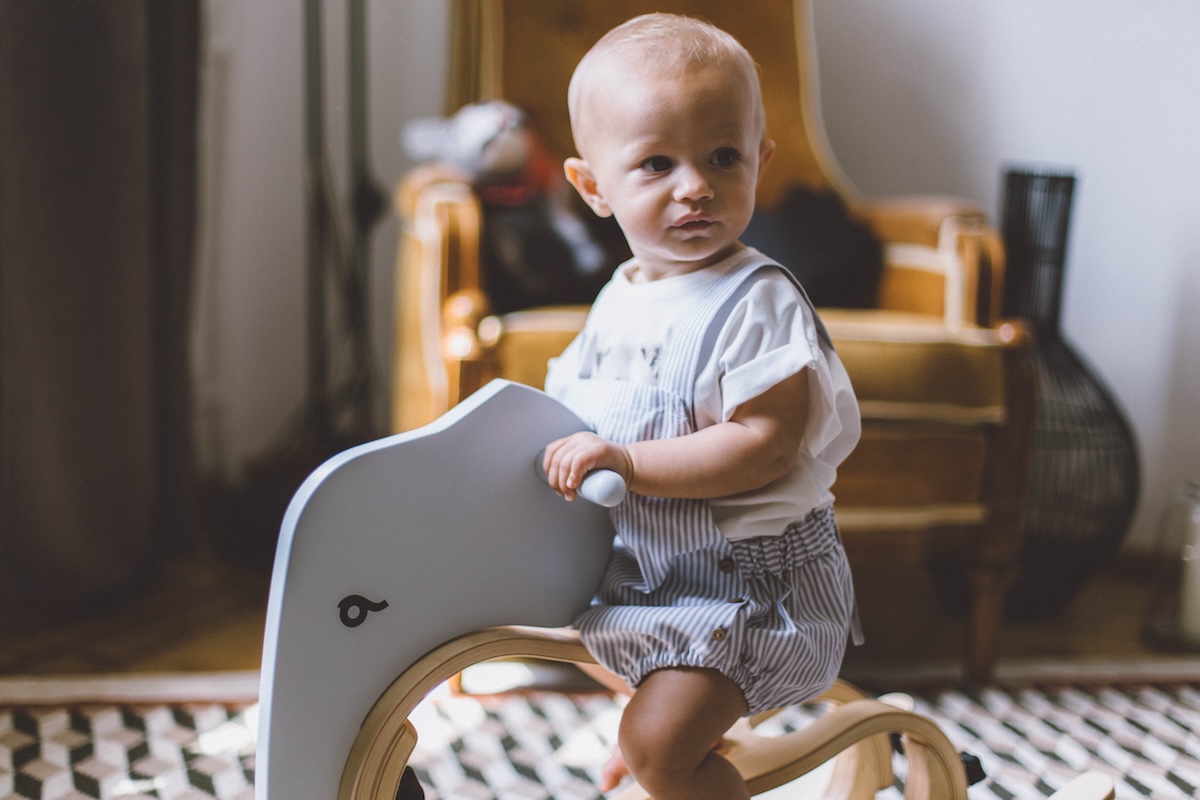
[204, 614]
[195, 615]
[910, 629]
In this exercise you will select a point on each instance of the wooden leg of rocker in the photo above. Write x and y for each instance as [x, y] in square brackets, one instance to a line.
[936, 774]
[860, 771]
[931, 777]
[386, 739]
[383, 771]
[771, 761]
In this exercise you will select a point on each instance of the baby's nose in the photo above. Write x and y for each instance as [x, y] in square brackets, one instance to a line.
[692, 184]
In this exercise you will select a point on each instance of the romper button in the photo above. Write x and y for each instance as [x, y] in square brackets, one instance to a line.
[736, 600]
[725, 565]
[719, 635]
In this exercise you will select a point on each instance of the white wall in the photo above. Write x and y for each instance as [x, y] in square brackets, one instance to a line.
[920, 96]
[941, 95]
[249, 345]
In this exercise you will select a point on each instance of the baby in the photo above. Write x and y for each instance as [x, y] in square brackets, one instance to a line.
[714, 391]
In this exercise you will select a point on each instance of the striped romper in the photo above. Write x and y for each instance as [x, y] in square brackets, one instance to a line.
[770, 612]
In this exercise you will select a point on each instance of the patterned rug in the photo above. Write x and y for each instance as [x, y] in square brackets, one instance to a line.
[548, 745]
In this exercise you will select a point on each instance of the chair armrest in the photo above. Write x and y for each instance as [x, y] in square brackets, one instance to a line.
[439, 298]
[520, 344]
[941, 257]
[408, 191]
[909, 367]
[915, 219]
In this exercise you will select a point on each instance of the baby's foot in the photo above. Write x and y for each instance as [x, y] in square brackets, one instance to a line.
[613, 772]
[616, 770]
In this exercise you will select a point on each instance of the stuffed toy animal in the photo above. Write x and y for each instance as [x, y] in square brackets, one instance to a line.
[536, 248]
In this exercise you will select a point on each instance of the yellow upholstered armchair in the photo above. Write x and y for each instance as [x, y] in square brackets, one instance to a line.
[946, 394]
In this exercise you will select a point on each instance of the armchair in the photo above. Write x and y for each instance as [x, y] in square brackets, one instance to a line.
[946, 394]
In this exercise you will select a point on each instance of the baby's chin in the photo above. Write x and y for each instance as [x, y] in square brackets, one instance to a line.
[680, 260]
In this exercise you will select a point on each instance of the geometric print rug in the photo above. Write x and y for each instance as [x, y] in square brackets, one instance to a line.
[534, 745]
[186, 751]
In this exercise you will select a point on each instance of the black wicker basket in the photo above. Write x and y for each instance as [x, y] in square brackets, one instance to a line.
[1085, 476]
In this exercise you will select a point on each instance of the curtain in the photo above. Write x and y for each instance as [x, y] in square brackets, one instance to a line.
[97, 173]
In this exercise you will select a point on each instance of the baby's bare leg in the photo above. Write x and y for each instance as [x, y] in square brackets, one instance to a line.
[668, 729]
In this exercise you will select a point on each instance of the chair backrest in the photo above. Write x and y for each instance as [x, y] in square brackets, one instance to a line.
[524, 51]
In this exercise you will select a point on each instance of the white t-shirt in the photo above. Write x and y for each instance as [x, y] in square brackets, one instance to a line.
[768, 336]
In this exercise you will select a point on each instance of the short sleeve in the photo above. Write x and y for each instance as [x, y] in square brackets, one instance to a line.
[769, 336]
[764, 340]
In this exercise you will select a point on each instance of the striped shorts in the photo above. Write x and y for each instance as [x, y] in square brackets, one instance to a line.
[772, 613]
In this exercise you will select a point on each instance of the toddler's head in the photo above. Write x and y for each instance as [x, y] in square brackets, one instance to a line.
[668, 120]
[661, 46]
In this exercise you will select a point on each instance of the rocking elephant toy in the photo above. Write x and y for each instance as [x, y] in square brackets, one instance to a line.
[403, 561]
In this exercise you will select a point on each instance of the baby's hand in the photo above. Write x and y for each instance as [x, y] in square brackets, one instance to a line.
[568, 461]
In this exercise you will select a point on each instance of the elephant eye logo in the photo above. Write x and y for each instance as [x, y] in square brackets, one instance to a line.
[354, 608]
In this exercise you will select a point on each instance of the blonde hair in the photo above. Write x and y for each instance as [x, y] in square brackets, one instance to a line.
[663, 42]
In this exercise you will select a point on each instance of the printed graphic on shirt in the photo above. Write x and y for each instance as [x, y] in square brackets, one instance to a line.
[625, 361]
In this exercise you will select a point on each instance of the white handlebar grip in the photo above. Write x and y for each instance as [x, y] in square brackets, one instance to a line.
[603, 486]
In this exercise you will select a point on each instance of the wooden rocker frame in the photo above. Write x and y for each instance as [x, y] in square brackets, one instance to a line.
[855, 733]
[403, 561]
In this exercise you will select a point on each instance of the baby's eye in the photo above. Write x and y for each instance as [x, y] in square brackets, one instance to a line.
[725, 157]
[656, 164]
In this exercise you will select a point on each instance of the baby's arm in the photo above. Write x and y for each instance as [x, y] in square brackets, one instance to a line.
[755, 447]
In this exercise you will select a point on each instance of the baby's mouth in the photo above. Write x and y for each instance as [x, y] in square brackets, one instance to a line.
[694, 222]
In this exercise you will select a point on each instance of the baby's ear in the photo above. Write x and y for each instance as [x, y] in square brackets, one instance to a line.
[765, 153]
[579, 174]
